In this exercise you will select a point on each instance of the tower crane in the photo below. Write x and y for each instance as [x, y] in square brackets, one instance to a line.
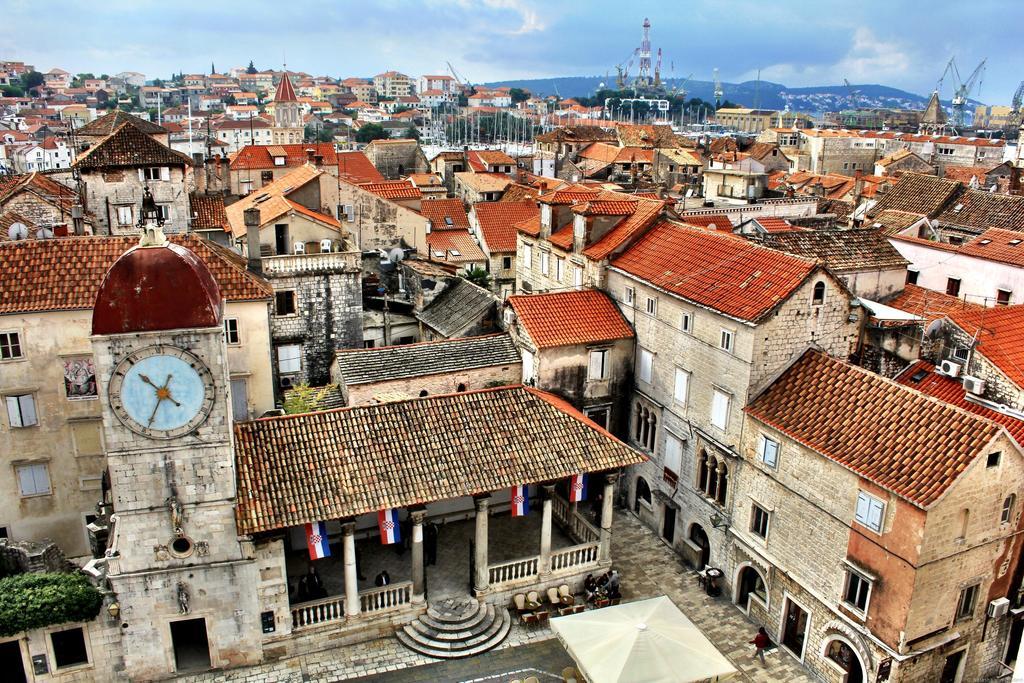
[1016, 115]
[455, 75]
[963, 91]
[718, 90]
[681, 88]
[852, 94]
[657, 70]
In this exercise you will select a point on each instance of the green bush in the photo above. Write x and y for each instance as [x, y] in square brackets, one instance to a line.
[29, 601]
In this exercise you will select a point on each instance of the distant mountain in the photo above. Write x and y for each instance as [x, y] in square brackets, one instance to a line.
[765, 95]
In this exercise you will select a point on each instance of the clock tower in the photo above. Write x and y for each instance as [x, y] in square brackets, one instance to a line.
[185, 582]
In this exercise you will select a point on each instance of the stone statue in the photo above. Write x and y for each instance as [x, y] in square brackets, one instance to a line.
[183, 597]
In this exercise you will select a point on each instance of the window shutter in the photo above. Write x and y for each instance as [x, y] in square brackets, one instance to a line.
[142, 175]
[875, 516]
[719, 409]
[14, 411]
[863, 508]
[682, 384]
[165, 173]
[597, 365]
[28, 410]
[646, 365]
[762, 445]
[26, 481]
[673, 453]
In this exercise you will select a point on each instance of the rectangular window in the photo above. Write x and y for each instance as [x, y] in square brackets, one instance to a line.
[686, 322]
[993, 459]
[21, 410]
[682, 386]
[527, 256]
[598, 364]
[33, 480]
[651, 305]
[758, 520]
[629, 295]
[965, 606]
[124, 215]
[646, 371]
[10, 345]
[577, 277]
[953, 286]
[289, 358]
[146, 174]
[506, 262]
[69, 648]
[673, 456]
[720, 409]
[961, 353]
[768, 451]
[545, 263]
[1003, 297]
[912, 276]
[164, 212]
[726, 340]
[231, 330]
[870, 511]
[284, 303]
[559, 269]
[856, 591]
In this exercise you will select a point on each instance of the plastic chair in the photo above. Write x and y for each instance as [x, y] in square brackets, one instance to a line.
[553, 597]
[567, 597]
[519, 602]
[532, 600]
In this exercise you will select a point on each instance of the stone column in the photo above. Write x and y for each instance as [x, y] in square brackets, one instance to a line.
[417, 555]
[604, 547]
[544, 566]
[348, 530]
[482, 579]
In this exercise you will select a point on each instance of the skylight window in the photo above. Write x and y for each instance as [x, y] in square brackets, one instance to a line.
[986, 242]
[1014, 243]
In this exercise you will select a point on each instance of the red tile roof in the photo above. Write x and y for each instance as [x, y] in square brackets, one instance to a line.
[720, 222]
[356, 168]
[530, 226]
[285, 91]
[735, 277]
[570, 318]
[438, 210]
[907, 443]
[951, 391]
[773, 224]
[394, 189]
[497, 221]
[643, 216]
[65, 273]
[208, 213]
[927, 303]
[1000, 336]
[996, 244]
[443, 243]
[605, 207]
[261, 157]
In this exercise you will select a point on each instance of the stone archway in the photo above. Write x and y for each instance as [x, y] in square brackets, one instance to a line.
[840, 652]
[749, 581]
[699, 537]
[642, 494]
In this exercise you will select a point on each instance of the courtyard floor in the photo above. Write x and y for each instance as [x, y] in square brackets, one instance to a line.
[648, 568]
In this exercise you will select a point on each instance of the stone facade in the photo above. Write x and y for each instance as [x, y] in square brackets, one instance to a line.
[397, 159]
[104, 660]
[379, 223]
[114, 197]
[689, 369]
[447, 383]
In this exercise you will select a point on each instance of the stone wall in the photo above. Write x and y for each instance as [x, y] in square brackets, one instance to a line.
[382, 224]
[446, 383]
[106, 190]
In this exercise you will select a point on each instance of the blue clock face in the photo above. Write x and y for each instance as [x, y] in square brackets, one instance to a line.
[161, 392]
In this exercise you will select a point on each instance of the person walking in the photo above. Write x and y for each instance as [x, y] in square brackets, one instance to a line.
[760, 642]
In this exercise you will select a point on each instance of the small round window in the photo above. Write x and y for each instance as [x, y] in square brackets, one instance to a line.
[182, 546]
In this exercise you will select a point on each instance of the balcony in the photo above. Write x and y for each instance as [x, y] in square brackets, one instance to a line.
[324, 262]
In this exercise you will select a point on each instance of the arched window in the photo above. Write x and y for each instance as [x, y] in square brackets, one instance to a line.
[461, 388]
[645, 428]
[423, 393]
[643, 490]
[702, 472]
[819, 294]
[723, 483]
[713, 478]
[1008, 505]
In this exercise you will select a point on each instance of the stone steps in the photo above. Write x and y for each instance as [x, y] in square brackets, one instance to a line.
[451, 630]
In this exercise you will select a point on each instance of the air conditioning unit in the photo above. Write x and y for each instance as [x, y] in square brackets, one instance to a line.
[949, 368]
[974, 385]
[286, 382]
[998, 608]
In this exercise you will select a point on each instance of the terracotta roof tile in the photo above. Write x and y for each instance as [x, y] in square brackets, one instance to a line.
[346, 462]
[715, 270]
[530, 226]
[517, 193]
[108, 123]
[252, 157]
[570, 318]
[1000, 336]
[980, 209]
[497, 221]
[921, 375]
[208, 212]
[484, 182]
[916, 193]
[643, 216]
[910, 444]
[841, 250]
[445, 214]
[356, 168]
[394, 189]
[928, 304]
[129, 147]
[65, 273]
[455, 245]
[891, 221]
[995, 244]
[720, 222]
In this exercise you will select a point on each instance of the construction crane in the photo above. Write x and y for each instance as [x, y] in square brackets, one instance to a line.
[963, 92]
[657, 70]
[852, 95]
[681, 88]
[1016, 114]
[455, 75]
[718, 90]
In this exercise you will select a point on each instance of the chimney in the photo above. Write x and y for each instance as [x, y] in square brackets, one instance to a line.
[309, 154]
[1015, 184]
[858, 186]
[318, 159]
[251, 216]
[78, 219]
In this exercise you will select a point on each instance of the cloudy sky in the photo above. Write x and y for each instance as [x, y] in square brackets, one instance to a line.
[902, 43]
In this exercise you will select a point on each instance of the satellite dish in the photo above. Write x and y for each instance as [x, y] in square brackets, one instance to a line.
[396, 255]
[934, 329]
[17, 231]
[44, 233]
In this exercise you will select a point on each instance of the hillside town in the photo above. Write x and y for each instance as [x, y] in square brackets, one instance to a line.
[405, 378]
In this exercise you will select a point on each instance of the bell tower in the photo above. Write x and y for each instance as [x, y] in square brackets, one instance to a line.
[288, 127]
[185, 582]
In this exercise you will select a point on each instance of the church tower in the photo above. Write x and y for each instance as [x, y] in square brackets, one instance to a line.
[185, 582]
[288, 128]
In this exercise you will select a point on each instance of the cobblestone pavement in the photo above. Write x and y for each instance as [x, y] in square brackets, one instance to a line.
[648, 568]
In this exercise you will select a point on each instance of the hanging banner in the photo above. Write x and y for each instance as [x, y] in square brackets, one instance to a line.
[520, 500]
[316, 540]
[390, 532]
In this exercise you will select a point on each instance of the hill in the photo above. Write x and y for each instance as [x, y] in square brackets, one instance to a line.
[765, 95]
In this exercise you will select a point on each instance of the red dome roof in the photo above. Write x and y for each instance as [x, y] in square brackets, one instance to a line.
[156, 288]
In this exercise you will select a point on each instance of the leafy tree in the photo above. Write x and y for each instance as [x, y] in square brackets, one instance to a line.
[479, 277]
[230, 99]
[303, 398]
[251, 69]
[12, 91]
[370, 132]
[412, 133]
[37, 600]
[159, 83]
[31, 79]
[519, 94]
[104, 77]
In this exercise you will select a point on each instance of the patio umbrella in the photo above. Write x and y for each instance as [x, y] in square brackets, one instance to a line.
[648, 641]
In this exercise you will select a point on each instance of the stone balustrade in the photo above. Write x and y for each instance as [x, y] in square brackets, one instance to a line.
[386, 597]
[324, 262]
[513, 571]
[574, 557]
[318, 611]
[575, 524]
[332, 608]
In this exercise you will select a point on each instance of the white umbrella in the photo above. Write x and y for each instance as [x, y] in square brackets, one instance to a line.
[648, 641]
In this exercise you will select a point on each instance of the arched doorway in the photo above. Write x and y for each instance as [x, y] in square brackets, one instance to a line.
[845, 658]
[643, 493]
[700, 539]
[749, 582]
